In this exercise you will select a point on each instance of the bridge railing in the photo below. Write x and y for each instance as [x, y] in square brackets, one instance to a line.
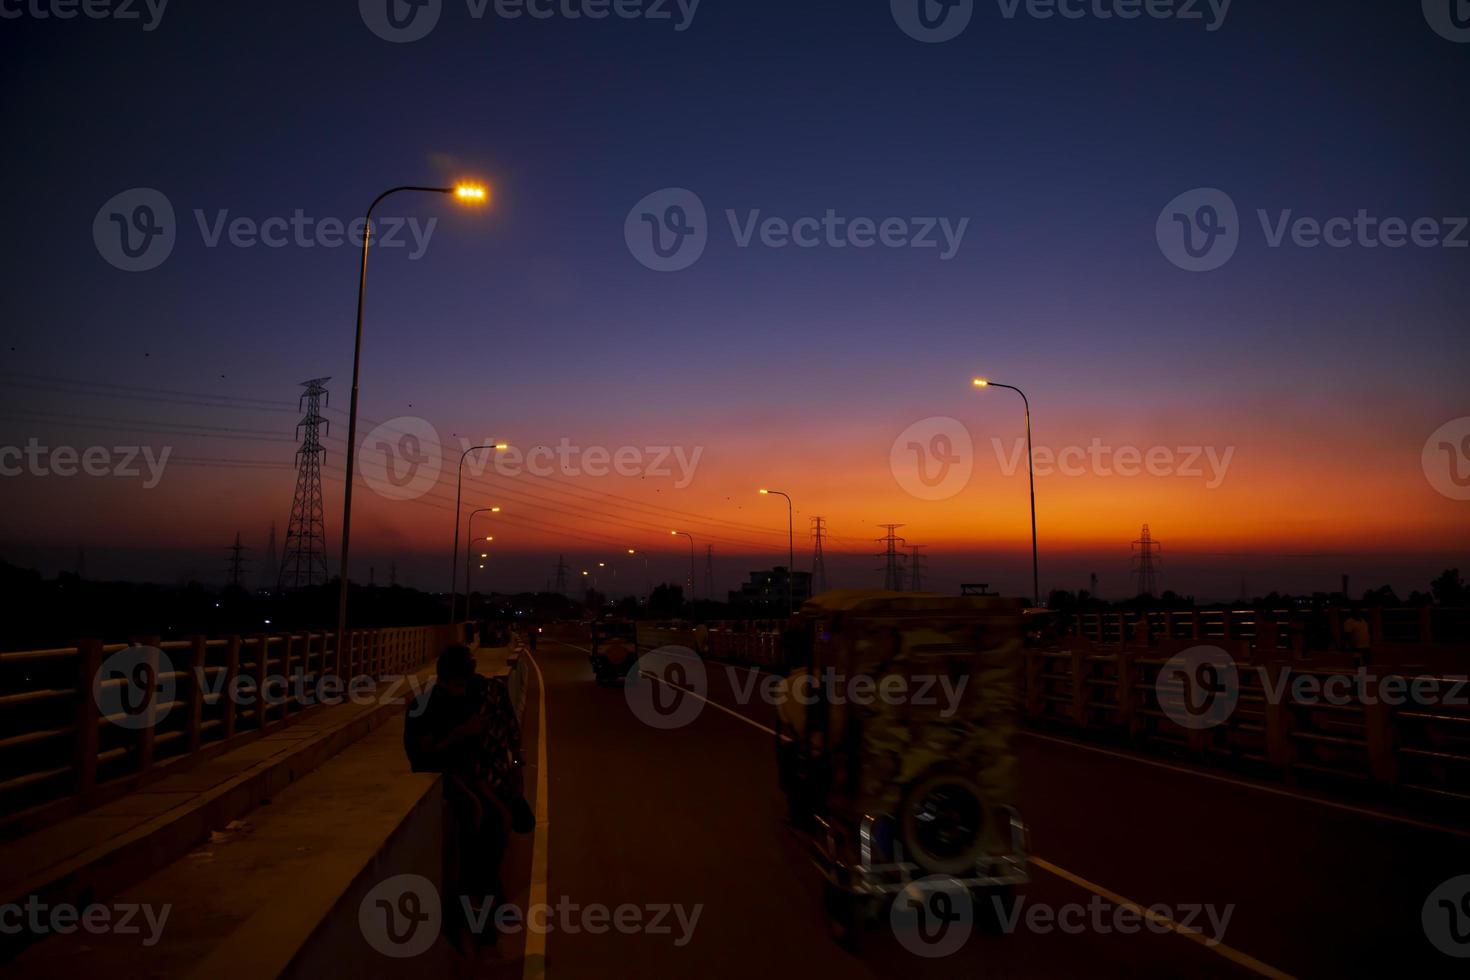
[1274, 627]
[1384, 729]
[81, 725]
[1373, 727]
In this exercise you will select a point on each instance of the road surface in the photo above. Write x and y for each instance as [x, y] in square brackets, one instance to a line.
[691, 818]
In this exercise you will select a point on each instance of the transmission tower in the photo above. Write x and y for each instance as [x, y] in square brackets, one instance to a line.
[305, 560]
[237, 561]
[916, 570]
[709, 570]
[1146, 560]
[819, 561]
[893, 558]
[561, 574]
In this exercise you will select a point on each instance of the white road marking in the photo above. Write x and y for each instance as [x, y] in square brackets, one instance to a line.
[1194, 935]
[535, 954]
[1260, 787]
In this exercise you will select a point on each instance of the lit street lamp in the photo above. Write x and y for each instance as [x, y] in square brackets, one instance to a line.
[466, 193]
[1031, 473]
[454, 551]
[469, 548]
[790, 546]
[691, 565]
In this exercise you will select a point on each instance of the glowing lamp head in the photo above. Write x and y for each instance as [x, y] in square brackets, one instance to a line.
[501, 447]
[981, 383]
[632, 552]
[763, 492]
[494, 510]
[471, 193]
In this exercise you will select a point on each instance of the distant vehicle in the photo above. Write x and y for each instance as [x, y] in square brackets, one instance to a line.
[897, 788]
[614, 649]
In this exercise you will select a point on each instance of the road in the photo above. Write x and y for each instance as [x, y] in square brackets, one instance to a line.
[691, 817]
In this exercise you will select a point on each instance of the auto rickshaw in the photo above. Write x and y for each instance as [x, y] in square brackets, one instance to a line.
[911, 783]
[614, 650]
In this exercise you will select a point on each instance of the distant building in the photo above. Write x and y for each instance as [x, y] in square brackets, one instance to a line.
[766, 591]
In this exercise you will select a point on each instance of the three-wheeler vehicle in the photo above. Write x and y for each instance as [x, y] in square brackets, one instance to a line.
[894, 747]
[614, 650]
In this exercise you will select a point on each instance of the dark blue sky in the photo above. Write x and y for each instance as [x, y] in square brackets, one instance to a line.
[1059, 140]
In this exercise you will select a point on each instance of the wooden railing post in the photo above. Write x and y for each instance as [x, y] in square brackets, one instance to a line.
[1126, 712]
[1278, 736]
[227, 689]
[1079, 688]
[198, 652]
[84, 753]
[262, 672]
[1378, 728]
[150, 705]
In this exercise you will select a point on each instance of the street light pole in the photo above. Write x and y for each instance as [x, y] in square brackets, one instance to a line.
[790, 547]
[465, 192]
[454, 551]
[1031, 473]
[469, 549]
[691, 565]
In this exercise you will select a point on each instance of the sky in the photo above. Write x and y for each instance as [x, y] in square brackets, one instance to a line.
[1009, 202]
